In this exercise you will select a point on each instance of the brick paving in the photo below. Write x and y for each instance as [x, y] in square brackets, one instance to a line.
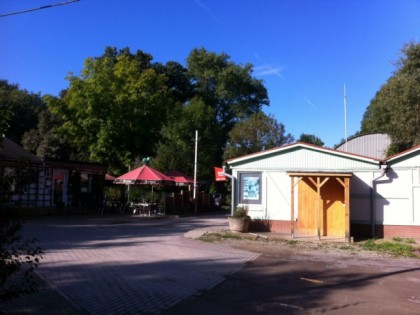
[125, 265]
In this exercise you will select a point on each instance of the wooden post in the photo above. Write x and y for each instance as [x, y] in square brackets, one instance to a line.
[347, 208]
[318, 192]
[346, 185]
[292, 210]
[318, 185]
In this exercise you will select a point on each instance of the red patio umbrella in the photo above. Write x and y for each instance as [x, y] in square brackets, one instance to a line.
[144, 175]
[180, 178]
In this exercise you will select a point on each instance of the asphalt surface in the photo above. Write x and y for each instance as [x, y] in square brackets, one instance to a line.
[127, 265]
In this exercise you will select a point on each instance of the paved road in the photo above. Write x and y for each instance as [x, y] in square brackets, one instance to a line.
[125, 265]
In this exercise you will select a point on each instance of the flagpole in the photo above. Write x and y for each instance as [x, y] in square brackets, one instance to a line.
[345, 118]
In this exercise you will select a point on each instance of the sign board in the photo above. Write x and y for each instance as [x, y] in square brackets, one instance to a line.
[219, 174]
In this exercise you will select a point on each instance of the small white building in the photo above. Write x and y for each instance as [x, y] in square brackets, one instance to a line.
[305, 189]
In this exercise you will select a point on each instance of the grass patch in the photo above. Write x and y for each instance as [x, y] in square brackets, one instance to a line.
[217, 237]
[347, 247]
[404, 240]
[292, 242]
[395, 247]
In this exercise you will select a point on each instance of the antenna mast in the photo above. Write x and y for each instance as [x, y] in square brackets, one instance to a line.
[345, 118]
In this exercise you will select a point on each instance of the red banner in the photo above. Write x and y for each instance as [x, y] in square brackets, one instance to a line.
[219, 174]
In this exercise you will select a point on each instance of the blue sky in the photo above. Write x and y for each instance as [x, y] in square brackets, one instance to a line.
[303, 50]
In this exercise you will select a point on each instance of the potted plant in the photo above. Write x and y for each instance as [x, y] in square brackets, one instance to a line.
[239, 221]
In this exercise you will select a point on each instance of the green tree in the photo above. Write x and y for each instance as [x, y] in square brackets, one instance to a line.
[312, 139]
[176, 147]
[44, 141]
[259, 132]
[225, 86]
[178, 80]
[22, 107]
[228, 88]
[395, 109]
[114, 111]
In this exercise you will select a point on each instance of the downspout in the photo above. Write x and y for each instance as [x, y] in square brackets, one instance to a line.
[384, 169]
[232, 200]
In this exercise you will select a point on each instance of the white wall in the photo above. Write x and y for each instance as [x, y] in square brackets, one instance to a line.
[397, 201]
[275, 199]
[360, 184]
[278, 195]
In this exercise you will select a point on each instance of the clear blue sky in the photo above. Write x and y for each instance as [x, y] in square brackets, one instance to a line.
[303, 50]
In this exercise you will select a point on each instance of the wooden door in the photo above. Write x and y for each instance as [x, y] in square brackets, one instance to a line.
[307, 208]
[332, 210]
[333, 220]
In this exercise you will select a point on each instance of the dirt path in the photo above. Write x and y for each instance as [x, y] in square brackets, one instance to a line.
[311, 279]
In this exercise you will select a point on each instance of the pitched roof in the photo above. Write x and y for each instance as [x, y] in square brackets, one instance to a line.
[403, 154]
[300, 145]
[11, 151]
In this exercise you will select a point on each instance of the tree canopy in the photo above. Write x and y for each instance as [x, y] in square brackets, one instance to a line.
[395, 109]
[19, 110]
[113, 112]
[123, 106]
[259, 132]
[312, 139]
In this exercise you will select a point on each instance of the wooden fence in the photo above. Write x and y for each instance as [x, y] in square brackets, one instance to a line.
[183, 203]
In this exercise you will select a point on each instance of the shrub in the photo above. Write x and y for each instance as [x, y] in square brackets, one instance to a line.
[240, 212]
[18, 260]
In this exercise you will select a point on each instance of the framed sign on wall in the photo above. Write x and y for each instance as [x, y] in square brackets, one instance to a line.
[250, 188]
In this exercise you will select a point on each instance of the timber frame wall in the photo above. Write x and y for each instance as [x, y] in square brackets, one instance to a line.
[318, 180]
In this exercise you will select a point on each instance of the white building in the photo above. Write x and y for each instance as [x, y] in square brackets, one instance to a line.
[304, 189]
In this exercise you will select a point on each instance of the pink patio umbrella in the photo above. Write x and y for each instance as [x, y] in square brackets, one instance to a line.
[180, 178]
[109, 177]
[144, 175]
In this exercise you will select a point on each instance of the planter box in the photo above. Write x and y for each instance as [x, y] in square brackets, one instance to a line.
[239, 224]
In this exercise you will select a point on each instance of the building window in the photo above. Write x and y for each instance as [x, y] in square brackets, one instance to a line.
[250, 188]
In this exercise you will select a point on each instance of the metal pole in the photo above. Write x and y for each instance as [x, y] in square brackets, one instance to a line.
[195, 172]
[128, 187]
[345, 118]
[232, 200]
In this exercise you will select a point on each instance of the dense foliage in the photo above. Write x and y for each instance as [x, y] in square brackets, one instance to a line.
[19, 110]
[18, 260]
[123, 106]
[258, 132]
[395, 109]
[311, 139]
[18, 257]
